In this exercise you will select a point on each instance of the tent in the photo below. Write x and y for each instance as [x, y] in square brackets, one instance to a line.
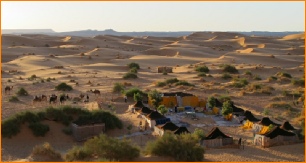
[237, 110]
[276, 136]
[265, 121]
[249, 116]
[287, 126]
[181, 130]
[155, 118]
[136, 106]
[216, 138]
[262, 125]
[144, 111]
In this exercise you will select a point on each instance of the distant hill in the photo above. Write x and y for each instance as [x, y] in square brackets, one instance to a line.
[91, 33]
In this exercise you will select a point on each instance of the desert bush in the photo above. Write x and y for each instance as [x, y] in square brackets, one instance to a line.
[201, 74]
[229, 68]
[211, 101]
[22, 92]
[248, 73]
[130, 92]
[162, 109]
[118, 87]
[10, 127]
[67, 131]
[130, 75]
[227, 108]
[63, 87]
[283, 74]
[133, 70]
[239, 83]
[134, 65]
[202, 69]
[46, 150]
[77, 154]
[226, 76]
[224, 98]
[257, 77]
[272, 78]
[103, 146]
[137, 97]
[266, 111]
[39, 129]
[172, 80]
[199, 133]
[9, 80]
[183, 82]
[161, 84]
[184, 147]
[13, 99]
[298, 82]
[156, 97]
[282, 105]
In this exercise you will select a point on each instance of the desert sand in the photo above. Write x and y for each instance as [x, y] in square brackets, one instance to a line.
[102, 60]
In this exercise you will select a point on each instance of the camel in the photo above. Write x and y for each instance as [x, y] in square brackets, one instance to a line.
[53, 98]
[96, 92]
[8, 89]
[39, 99]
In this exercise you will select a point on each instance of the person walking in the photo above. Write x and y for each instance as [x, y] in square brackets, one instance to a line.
[125, 99]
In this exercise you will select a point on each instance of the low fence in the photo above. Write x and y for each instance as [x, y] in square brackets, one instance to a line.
[81, 133]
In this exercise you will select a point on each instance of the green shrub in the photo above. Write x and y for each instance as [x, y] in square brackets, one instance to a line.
[283, 74]
[161, 84]
[137, 97]
[201, 74]
[184, 147]
[39, 129]
[111, 148]
[67, 131]
[162, 109]
[63, 87]
[22, 92]
[130, 92]
[48, 79]
[256, 77]
[282, 105]
[226, 76]
[266, 111]
[77, 154]
[298, 82]
[133, 70]
[13, 99]
[239, 83]
[130, 75]
[224, 98]
[227, 108]
[172, 80]
[118, 87]
[202, 69]
[183, 82]
[199, 133]
[156, 97]
[134, 65]
[248, 73]
[229, 68]
[10, 127]
[211, 101]
[46, 150]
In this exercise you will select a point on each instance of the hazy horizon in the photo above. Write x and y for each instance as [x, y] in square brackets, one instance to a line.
[154, 16]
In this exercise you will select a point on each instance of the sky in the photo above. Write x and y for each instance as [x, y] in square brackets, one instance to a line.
[154, 16]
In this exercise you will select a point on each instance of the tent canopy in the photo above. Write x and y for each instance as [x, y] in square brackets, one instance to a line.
[168, 126]
[216, 133]
[181, 130]
[154, 115]
[278, 131]
[138, 104]
[145, 110]
[249, 116]
[287, 126]
[265, 121]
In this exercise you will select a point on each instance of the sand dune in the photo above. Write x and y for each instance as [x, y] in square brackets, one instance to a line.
[103, 60]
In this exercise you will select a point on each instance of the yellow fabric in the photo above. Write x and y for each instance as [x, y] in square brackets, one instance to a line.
[190, 101]
[228, 117]
[264, 129]
[167, 101]
[248, 125]
[215, 110]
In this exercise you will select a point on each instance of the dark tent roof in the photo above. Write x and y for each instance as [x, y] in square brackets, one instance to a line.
[278, 131]
[181, 130]
[145, 110]
[287, 126]
[266, 122]
[218, 103]
[138, 104]
[182, 94]
[249, 116]
[154, 115]
[168, 126]
[236, 109]
[216, 133]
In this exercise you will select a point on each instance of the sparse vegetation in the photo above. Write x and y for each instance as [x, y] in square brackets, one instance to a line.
[211, 101]
[22, 92]
[162, 109]
[183, 82]
[161, 84]
[201, 74]
[155, 97]
[130, 92]
[226, 76]
[240, 82]
[172, 80]
[137, 97]
[130, 75]
[13, 99]
[134, 65]
[202, 69]
[229, 68]
[184, 147]
[118, 88]
[133, 70]
[298, 82]
[257, 77]
[281, 105]
[248, 73]
[227, 108]
[39, 129]
[63, 87]
[266, 111]
[283, 74]
[46, 150]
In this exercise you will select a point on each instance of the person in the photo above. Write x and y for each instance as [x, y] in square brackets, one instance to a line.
[239, 142]
[87, 97]
[125, 99]
[175, 109]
